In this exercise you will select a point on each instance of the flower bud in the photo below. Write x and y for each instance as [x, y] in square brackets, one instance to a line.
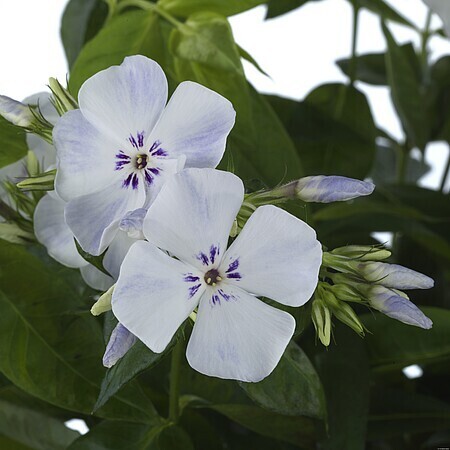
[103, 304]
[41, 182]
[16, 112]
[321, 318]
[326, 189]
[363, 252]
[396, 304]
[120, 342]
[11, 232]
[394, 276]
[346, 293]
[62, 99]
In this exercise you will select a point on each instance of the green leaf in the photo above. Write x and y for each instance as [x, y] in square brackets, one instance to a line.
[385, 11]
[184, 8]
[333, 130]
[47, 333]
[136, 32]
[276, 8]
[395, 412]
[407, 93]
[393, 345]
[13, 145]
[130, 436]
[81, 21]
[10, 444]
[293, 388]
[34, 428]
[249, 58]
[344, 371]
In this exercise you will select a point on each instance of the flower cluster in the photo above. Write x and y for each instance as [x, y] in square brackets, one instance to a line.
[136, 183]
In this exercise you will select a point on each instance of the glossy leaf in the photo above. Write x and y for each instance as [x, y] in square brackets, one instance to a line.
[393, 345]
[80, 22]
[50, 346]
[333, 130]
[293, 388]
[185, 8]
[13, 145]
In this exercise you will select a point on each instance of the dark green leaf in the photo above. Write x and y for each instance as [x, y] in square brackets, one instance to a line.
[407, 93]
[249, 58]
[13, 145]
[344, 371]
[50, 346]
[9, 444]
[393, 345]
[385, 11]
[184, 8]
[278, 7]
[293, 388]
[333, 130]
[81, 21]
[130, 436]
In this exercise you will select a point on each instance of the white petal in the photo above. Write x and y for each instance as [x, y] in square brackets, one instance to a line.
[95, 278]
[241, 338]
[125, 99]
[152, 298]
[86, 157]
[196, 123]
[52, 231]
[116, 253]
[94, 218]
[276, 255]
[194, 213]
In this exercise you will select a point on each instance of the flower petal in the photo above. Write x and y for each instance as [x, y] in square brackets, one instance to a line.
[94, 218]
[119, 343]
[196, 123]
[194, 212]
[95, 278]
[116, 253]
[86, 157]
[154, 295]
[125, 99]
[275, 255]
[52, 231]
[241, 338]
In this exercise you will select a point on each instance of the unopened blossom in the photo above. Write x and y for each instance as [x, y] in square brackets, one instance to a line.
[118, 149]
[396, 304]
[15, 112]
[394, 276]
[235, 335]
[120, 342]
[326, 189]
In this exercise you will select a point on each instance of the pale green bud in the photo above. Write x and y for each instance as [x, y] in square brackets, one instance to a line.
[346, 293]
[62, 99]
[321, 318]
[11, 232]
[16, 112]
[103, 304]
[363, 252]
[41, 182]
[32, 164]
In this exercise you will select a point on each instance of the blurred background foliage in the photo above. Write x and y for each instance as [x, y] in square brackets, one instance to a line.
[352, 395]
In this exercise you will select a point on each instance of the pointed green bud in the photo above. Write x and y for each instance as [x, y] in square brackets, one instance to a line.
[346, 293]
[41, 182]
[62, 99]
[103, 304]
[11, 232]
[340, 263]
[321, 318]
[32, 164]
[363, 252]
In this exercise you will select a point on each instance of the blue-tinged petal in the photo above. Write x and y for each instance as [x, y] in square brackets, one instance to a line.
[52, 231]
[86, 157]
[195, 123]
[276, 255]
[120, 342]
[116, 253]
[236, 336]
[193, 214]
[327, 189]
[95, 278]
[94, 218]
[154, 294]
[126, 99]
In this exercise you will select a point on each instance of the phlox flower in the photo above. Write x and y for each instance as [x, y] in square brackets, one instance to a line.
[118, 149]
[186, 265]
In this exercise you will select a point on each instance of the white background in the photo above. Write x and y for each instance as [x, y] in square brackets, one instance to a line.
[297, 50]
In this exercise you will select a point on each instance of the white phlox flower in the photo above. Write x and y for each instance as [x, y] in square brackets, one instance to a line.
[236, 335]
[118, 149]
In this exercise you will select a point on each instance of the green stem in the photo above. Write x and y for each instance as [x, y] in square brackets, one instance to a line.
[353, 61]
[402, 163]
[425, 37]
[174, 394]
[445, 174]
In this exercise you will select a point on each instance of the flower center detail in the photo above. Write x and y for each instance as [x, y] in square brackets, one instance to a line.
[141, 161]
[212, 277]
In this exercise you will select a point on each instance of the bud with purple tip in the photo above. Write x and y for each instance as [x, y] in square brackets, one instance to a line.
[120, 342]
